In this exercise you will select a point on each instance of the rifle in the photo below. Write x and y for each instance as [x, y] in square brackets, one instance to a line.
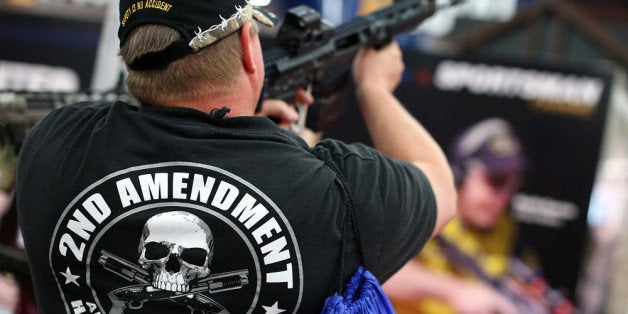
[310, 52]
[135, 296]
[524, 287]
[22, 106]
[20, 110]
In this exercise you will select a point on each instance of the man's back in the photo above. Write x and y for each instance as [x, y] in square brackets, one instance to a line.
[172, 209]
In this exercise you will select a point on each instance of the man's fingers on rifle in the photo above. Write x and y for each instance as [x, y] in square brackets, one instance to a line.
[303, 97]
[279, 111]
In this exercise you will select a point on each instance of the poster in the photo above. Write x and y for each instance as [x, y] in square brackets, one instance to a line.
[558, 111]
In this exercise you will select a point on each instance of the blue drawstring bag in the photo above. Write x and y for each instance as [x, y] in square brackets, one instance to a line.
[363, 293]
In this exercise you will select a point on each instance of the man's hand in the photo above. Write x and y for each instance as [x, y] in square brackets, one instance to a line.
[284, 114]
[378, 69]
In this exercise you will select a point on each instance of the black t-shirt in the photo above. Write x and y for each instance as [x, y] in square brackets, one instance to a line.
[153, 209]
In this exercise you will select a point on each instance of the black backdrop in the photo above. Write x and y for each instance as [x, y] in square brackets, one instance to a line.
[561, 137]
[52, 41]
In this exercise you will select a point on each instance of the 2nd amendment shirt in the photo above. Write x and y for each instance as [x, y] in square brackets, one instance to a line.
[162, 210]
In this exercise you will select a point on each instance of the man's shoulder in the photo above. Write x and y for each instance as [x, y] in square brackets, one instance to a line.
[86, 108]
[76, 109]
[67, 123]
[340, 150]
[76, 114]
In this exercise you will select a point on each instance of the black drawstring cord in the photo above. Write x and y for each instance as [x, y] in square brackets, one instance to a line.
[350, 217]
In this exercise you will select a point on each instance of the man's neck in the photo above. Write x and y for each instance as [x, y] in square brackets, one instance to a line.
[241, 102]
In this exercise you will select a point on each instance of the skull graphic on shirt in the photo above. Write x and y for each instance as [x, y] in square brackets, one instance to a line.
[177, 247]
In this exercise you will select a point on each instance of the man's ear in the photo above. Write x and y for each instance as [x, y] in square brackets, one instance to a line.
[248, 53]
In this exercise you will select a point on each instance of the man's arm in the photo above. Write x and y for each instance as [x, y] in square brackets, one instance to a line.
[394, 131]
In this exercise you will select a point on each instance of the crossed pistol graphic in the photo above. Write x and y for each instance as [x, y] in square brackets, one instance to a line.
[134, 296]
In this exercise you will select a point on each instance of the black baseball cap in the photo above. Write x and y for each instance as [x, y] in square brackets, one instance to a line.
[200, 22]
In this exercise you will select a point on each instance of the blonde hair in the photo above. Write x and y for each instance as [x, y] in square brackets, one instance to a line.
[213, 69]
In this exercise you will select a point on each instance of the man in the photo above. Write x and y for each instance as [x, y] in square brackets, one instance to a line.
[488, 162]
[190, 202]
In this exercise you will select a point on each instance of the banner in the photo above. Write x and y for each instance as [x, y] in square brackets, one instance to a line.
[558, 110]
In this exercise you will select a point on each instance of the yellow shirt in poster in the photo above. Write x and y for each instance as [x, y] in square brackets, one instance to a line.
[491, 249]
